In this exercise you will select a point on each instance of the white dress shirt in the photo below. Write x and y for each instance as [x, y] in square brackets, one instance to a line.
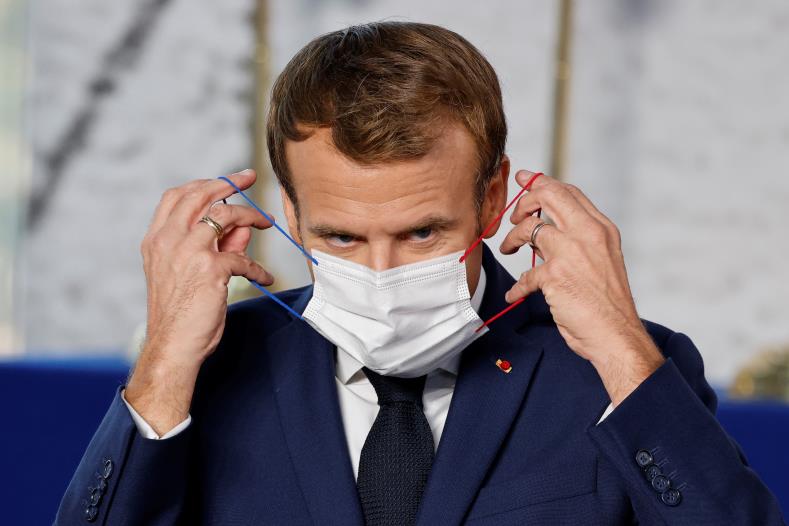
[359, 401]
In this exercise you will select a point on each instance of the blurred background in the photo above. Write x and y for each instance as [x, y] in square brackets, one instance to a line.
[672, 115]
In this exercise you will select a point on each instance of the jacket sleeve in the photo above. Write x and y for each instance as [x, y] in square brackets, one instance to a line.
[125, 478]
[678, 464]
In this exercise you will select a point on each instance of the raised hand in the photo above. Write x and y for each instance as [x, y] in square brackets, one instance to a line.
[584, 282]
[187, 269]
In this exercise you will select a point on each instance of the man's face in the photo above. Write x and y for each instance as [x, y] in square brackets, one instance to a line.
[391, 214]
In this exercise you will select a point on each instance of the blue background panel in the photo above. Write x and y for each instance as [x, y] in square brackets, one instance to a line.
[50, 410]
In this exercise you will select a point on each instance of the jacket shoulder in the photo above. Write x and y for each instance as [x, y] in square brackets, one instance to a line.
[246, 323]
[263, 310]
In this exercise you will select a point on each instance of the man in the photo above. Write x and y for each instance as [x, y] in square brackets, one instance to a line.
[374, 398]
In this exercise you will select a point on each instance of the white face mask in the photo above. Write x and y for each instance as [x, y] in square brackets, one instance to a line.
[404, 321]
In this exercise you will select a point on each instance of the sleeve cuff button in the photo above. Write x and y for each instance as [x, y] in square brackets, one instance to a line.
[95, 498]
[107, 468]
[91, 512]
[643, 458]
[652, 471]
[671, 497]
[661, 483]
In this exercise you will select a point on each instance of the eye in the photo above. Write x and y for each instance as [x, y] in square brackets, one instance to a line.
[422, 234]
[341, 240]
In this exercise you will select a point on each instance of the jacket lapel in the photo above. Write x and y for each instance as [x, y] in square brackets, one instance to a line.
[485, 401]
[302, 366]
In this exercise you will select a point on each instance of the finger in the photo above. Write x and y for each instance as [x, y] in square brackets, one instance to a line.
[172, 196]
[237, 240]
[229, 217]
[524, 177]
[545, 239]
[530, 281]
[239, 264]
[521, 210]
[521, 235]
[166, 203]
[194, 199]
[555, 199]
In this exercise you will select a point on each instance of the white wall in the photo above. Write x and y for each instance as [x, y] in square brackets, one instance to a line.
[180, 111]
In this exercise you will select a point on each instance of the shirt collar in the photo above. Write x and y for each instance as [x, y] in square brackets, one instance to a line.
[349, 368]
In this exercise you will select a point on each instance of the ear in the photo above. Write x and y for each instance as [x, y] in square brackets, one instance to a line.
[496, 196]
[290, 215]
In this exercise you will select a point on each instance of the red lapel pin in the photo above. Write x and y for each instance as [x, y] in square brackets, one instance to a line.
[504, 365]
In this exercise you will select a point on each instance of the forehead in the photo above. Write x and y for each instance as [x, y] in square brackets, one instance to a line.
[327, 182]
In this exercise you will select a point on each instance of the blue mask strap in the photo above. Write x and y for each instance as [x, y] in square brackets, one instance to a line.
[271, 219]
[274, 223]
[265, 291]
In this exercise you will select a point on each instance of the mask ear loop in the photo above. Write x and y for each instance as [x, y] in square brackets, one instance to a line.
[274, 223]
[525, 188]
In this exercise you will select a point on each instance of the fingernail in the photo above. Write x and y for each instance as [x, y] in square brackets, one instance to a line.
[245, 171]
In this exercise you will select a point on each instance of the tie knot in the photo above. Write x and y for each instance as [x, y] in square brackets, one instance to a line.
[393, 389]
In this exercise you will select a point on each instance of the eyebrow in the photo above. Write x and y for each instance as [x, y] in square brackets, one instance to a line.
[434, 222]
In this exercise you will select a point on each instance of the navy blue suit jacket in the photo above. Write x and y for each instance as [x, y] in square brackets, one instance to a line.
[266, 444]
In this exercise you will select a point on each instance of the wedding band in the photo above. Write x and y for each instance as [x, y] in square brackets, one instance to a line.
[213, 224]
[533, 238]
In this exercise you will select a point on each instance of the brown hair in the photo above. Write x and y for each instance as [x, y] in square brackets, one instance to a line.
[384, 88]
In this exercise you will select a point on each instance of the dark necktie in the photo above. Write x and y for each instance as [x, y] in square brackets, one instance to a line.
[397, 454]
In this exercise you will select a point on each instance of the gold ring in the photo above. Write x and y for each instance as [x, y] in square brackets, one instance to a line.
[213, 224]
[533, 238]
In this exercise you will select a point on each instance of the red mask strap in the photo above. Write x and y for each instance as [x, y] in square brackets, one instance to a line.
[477, 241]
[525, 188]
